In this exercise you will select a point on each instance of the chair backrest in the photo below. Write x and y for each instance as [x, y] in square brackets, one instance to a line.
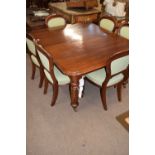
[118, 63]
[108, 23]
[124, 30]
[47, 62]
[55, 21]
[30, 44]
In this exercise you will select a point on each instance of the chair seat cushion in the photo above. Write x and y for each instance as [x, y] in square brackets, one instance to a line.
[99, 76]
[61, 78]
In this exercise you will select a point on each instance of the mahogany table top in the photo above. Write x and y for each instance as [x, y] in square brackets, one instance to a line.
[80, 48]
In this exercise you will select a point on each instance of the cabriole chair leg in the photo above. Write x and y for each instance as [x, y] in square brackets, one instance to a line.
[46, 86]
[55, 94]
[33, 71]
[103, 97]
[119, 87]
[41, 78]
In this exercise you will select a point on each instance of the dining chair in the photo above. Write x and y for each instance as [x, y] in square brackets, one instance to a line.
[52, 74]
[108, 23]
[34, 58]
[113, 74]
[123, 30]
[55, 21]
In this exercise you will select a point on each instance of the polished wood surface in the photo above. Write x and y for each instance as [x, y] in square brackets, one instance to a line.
[78, 49]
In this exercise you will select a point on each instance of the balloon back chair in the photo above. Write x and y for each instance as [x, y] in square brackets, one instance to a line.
[108, 23]
[52, 74]
[55, 21]
[34, 58]
[113, 74]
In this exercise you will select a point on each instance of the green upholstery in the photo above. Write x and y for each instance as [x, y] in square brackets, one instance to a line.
[119, 64]
[124, 32]
[61, 78]
[31, 46]
[55, 22]
[35, 60]
[99, 76]
[107, 24]
[44, 60]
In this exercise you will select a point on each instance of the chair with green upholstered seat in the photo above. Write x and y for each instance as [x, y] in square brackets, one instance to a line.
[55, 21]
[114, 74]
[108, 23]
[34, 58]
[52, 74]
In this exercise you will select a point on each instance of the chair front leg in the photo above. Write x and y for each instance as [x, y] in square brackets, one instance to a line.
[33, 71]
[42, 76]
[55, 94]
[46, 86]
[103, 97]
[119, 87]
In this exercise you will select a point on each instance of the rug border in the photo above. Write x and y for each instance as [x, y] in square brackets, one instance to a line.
[121, 120]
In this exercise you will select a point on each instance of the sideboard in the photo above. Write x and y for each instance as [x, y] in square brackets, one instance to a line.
[76, 15]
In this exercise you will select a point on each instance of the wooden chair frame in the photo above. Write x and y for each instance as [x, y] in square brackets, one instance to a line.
[34, 66]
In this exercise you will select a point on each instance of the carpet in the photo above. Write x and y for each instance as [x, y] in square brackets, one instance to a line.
[59, 130]
[124, 120]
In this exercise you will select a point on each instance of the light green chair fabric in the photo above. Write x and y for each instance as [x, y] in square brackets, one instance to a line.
[31, 46]
[56, 22]
[35, 60]
[124, 32]
[119, 64]
[44, 60]
[99, 76]
[107, 24]
[61, 78]
[32, 49]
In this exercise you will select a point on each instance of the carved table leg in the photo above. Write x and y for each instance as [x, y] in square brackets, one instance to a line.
[74, 91]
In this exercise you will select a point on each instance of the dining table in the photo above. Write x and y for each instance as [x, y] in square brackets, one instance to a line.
[78, 49]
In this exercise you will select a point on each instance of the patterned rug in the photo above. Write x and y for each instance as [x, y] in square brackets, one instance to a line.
[124, 120]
